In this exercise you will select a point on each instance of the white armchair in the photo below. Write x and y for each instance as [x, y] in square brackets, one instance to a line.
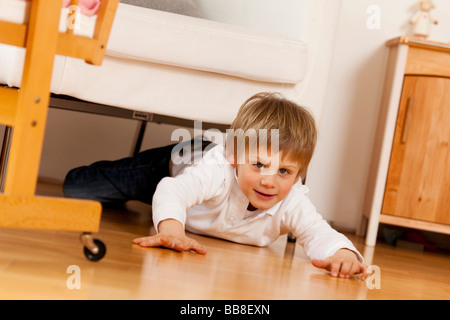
[182, 67]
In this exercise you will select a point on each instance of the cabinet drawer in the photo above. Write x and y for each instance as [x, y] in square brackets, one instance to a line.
[423, 61]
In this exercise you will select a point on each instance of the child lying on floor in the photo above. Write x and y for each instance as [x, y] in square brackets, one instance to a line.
[247, 190]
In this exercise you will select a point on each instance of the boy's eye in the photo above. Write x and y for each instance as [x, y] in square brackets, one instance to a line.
[259, 165]
[284, 171]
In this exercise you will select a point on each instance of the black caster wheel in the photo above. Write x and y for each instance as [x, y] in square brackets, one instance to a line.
[101, 251]
[94, 249]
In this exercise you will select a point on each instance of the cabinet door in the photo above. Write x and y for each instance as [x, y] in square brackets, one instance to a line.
[418, 183]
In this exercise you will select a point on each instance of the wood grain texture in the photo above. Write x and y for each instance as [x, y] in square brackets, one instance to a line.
[418, 181]
[33, 265]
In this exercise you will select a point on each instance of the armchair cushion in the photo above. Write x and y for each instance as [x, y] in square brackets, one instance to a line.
[206, 45]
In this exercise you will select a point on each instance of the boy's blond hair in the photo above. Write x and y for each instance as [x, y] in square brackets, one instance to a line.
[270, 112]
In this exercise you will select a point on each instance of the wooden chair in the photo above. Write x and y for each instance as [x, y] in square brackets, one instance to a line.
[24, 111]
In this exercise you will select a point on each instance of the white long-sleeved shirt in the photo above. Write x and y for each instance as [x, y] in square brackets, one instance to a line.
[206, 198]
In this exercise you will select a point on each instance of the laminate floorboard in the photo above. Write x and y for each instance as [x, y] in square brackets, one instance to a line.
[36, 264]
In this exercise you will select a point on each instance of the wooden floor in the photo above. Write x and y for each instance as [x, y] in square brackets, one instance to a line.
[34, 265]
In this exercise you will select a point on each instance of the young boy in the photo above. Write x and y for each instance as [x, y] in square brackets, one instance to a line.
[247, 191]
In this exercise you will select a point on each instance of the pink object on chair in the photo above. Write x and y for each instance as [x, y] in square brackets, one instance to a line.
[87, 7]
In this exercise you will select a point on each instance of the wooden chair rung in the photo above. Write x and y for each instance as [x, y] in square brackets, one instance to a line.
[8, 104]
[75, 46]
[13, 33]
[36, 212]
[91, 50]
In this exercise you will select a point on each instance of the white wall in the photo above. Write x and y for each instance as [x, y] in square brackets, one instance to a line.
[338, 173]
[267, 15]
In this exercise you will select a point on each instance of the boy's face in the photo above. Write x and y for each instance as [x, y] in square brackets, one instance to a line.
[266, 180]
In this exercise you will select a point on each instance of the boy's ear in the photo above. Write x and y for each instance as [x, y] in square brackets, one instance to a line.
[299, 176]
[230, 158]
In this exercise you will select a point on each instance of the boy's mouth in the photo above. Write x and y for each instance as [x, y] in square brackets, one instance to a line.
[263, 195]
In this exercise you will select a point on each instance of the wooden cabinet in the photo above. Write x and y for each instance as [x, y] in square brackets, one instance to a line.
[418, 180]
[409, 182]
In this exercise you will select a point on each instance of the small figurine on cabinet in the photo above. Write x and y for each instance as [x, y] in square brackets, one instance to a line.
[423, 19]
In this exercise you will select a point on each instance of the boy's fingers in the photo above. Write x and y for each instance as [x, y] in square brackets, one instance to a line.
[139, 240]
[335, 268]
[201, 251]
[355, 269]
[198, 248]
[172, 244]
[188, 245]
[147, 241]
[364, 272]
[322, 264]
[341, 269]
[345, 269]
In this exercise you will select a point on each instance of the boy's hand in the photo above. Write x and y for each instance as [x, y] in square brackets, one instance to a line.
[343, 263]
[171, 235]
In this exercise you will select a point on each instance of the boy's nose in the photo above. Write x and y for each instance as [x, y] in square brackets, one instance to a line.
[268, 180]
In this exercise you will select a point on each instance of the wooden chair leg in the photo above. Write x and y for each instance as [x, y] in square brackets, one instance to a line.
[25, 110]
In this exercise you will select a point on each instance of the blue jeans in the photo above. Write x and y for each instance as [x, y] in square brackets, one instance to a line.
[115, 182]
[133, 178]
